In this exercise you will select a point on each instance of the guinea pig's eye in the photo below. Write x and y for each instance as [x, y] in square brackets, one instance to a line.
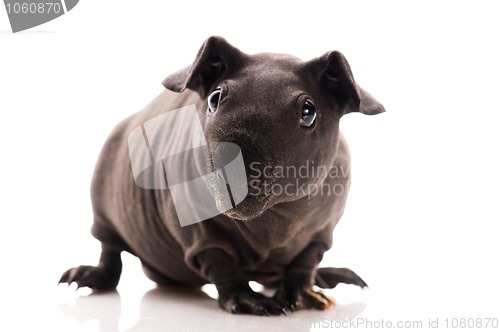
[213, 100]
[308, 114]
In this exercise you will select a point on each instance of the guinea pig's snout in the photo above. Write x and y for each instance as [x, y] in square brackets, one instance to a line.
[245, 177]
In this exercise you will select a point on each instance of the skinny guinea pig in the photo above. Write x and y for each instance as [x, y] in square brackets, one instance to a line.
[283, 113]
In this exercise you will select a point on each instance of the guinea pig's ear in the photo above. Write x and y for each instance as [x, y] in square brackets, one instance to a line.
[336, 76]
[214, 59]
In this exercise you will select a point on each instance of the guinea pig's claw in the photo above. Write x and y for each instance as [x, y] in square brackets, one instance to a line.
[90, 276]
[243, 300]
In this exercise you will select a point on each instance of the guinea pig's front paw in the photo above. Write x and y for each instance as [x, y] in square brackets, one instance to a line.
[241, 299]
[90, 276]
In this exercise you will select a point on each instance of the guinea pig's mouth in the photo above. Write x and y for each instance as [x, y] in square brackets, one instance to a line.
[256, 202]
[250, 208]
[223, 170]
[238, 193]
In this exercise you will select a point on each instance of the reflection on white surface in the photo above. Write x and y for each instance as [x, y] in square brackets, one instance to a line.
[184, 309]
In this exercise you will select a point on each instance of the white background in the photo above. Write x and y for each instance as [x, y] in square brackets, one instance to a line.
[421, 225]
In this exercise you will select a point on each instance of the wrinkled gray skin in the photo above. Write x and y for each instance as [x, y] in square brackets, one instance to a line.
[274, 239]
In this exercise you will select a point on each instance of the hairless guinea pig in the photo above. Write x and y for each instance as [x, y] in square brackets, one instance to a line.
[236, 172]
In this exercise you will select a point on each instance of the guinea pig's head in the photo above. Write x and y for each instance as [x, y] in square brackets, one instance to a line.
[282, 112]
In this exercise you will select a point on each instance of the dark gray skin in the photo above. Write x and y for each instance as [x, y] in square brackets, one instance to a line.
[275, 239]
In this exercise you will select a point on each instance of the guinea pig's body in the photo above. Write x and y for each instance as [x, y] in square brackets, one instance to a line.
[274, 239]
